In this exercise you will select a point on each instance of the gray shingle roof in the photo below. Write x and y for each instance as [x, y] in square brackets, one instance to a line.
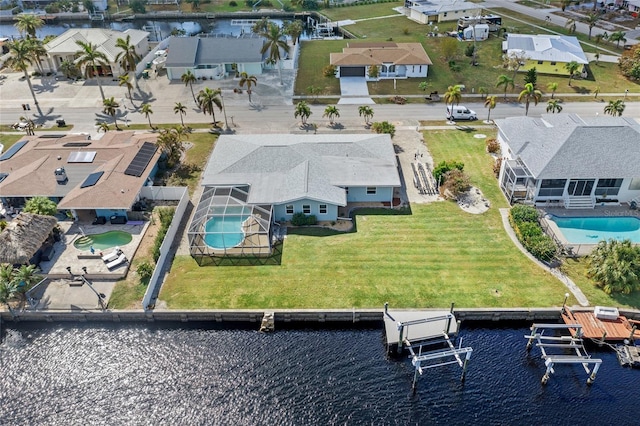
[560, 146]
[552, 48]
[282, 168]
[193, 51]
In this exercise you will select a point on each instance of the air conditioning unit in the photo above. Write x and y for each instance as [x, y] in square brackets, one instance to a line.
[604, 313]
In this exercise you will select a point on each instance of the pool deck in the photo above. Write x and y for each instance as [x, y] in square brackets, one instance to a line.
[66, 254]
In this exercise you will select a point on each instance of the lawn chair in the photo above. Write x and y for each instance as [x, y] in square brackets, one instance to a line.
[119, 261]
[112, 256]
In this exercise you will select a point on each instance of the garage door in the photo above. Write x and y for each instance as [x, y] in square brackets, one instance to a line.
[351, 71]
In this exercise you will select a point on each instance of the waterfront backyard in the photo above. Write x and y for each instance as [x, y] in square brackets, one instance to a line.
[429, 257]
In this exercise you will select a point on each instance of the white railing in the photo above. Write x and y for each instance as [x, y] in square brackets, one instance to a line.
[170, 193]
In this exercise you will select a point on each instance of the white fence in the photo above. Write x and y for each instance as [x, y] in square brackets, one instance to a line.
[148, 301]
[149, 57]
[173, 193]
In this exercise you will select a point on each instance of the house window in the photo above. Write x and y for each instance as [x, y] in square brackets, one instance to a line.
[346, 190]
[306, 209]
[289, 208]
[553, 63]
[552, 187]
[580, 187]
[540, 62]
[444, 14]
[608, 186]
[420, 68]
[371, 190]
[322, 209]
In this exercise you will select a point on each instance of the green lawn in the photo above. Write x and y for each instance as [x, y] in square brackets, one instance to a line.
[361, 11]
[188, 174]
[429, 258]
[7, 139]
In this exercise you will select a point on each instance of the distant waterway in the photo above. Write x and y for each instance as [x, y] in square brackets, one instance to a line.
[135, 374]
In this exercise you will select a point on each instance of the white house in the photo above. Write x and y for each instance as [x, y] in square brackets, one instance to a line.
[394, 60]
[548, 53]
[214, 58]
[570, 160]
[434, 11]
[65, 47]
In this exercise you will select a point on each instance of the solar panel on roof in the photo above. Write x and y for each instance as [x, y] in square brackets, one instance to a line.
[92, 179]
[141, 160]
[12, 151]
[76, 144]
[81, 157]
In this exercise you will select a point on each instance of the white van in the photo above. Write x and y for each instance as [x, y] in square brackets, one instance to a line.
[459, 112]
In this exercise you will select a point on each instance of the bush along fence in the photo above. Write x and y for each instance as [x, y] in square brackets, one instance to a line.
[524, 220]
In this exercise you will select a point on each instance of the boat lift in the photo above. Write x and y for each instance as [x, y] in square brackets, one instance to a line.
[564, 343]
[428, 332]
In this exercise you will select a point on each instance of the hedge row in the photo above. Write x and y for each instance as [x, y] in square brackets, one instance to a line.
[524, 220]
[166, 215]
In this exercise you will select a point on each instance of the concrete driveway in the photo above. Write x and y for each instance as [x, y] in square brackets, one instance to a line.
[354, 91]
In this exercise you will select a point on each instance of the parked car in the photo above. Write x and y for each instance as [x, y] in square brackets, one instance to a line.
[460, 112]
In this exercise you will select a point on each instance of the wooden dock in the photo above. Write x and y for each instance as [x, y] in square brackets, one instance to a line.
[615, 330]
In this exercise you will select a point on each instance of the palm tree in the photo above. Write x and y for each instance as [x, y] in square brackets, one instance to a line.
[90, 56]
[103, 126]
[188, 78]
[170, 141]
[453, 95]
[506, 81]
[572, 68]
[564, 4]
[147, 111]
[123, 80]
[591, 19]
[8, 285]
[69, 69]
[28, 24]
[483, 92]
[332, 112]
[618, 36]
[613, 265]
[37, 51]
[529, 93]
[303, 111]
[25, 277]
[491, 104]
[111, 108]
[274, 42]
[207, 100]
[294, 29]
[178, 108]
[615, 108]
[314, 91]
[21, 58]
[595, 92]
[366, 112]
[127, 57]
[554, 106]
[571, 25]
[553, 87]
[249, 80]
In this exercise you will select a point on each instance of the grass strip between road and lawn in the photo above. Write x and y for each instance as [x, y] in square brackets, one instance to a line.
[436, 255]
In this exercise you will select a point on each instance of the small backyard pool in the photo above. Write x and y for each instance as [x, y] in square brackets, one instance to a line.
[223, 232]
[103, 241]
[591, 230]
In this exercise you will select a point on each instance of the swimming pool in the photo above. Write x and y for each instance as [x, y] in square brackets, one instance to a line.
[223, 232]
[590, 230]
[103, 241]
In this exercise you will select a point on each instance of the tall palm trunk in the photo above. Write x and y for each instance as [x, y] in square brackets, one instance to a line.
[95, 72]
[193, 94]
[26, 76]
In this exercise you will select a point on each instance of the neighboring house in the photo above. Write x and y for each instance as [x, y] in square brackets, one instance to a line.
[548, 53]
[434, 11]
[214, 58]
[261, 179]
[64, 47]
[99, 5]
[569, 160]
[633, 5]
[394, 60]
[89, 178]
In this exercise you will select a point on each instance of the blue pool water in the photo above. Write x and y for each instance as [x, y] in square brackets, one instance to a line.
[590, 230]
[224, 231]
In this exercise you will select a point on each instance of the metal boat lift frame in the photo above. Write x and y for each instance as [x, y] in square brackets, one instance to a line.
[570, 342]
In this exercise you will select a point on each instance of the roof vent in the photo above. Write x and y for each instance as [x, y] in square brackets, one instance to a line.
[61, 176]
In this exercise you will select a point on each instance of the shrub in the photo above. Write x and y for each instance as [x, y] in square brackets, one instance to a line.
[454, 67]
[522, 213]
[542, 247]
[468, 51]
[145, 270]
[398, 100]
[166, 215]
[298, 219]
[312, 220]
[496, 166]
[615, 266]
[233, 3]
[329, 71]
[384, 127]
[456, 181]
[405, 31]
[493, 146]
[445, 166]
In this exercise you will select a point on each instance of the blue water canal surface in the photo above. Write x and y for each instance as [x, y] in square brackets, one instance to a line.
[151, 374]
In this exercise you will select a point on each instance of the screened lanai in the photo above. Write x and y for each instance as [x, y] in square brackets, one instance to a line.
[225, 226]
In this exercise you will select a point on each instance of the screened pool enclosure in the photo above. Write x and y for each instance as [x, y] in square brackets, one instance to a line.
[225, 226]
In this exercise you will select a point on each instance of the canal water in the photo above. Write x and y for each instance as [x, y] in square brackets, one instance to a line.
[192, 374]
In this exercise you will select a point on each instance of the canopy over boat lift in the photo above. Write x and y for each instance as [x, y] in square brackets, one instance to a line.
[427, 336]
